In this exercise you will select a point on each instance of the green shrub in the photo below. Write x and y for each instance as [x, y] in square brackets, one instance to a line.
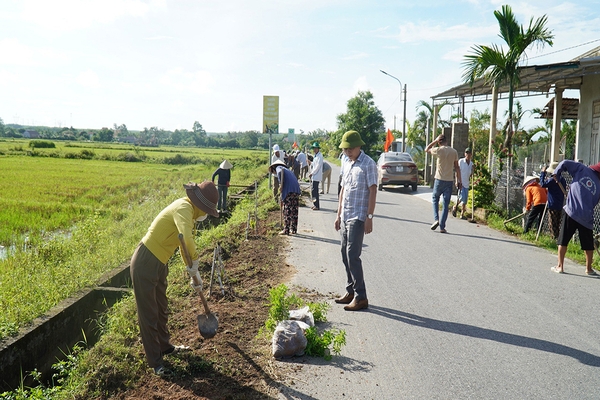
[42, 144]
[483, 187]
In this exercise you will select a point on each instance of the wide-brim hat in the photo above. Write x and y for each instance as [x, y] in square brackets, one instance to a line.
[596, 167]
[529, 180]
[350, 140]
[225, 165]
[552, 167]
[204, 196]
[277, 163]
[315, 145]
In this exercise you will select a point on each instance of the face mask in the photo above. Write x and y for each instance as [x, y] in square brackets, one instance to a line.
[201, 218]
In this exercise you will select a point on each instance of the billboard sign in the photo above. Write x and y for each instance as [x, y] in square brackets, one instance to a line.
[271, 114]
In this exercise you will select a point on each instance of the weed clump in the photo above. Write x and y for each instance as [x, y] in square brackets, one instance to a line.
[319, 342]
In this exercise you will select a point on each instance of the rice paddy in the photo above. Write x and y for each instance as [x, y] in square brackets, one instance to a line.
[66, 221]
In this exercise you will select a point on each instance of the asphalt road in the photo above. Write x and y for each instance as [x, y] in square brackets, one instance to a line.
[472, 314]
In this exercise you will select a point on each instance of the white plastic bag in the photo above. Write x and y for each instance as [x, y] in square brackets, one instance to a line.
[289, 339]
[303, 315]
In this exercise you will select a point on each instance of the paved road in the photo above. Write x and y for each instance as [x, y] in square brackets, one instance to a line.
[473, 314]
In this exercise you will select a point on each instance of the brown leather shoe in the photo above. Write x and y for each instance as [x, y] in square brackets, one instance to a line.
[345, 299]
[357, 305]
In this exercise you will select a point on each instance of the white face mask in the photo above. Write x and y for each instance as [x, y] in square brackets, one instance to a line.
[201, 218]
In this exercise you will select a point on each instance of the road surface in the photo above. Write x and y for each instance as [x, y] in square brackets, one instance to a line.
[472, 314]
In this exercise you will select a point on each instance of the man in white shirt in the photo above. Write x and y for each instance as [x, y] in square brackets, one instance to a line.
[316, 173]
[466, 170]
[301, 158]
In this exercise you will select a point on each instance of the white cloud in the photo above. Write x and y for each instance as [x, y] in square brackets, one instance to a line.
[7, 78]
[360, 84]
[88, 79]
[356, 56]
[15, 53]
[65, 15]
[198, 82]
[425, 32]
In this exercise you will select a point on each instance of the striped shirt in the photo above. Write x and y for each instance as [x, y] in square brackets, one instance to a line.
[358, 177]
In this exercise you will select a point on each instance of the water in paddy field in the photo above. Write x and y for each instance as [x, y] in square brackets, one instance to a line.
[6, 252]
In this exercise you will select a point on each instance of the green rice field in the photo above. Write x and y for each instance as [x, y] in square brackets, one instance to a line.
[65, 221]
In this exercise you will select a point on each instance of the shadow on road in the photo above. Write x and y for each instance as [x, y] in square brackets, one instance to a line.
[487, 334]
[317, 239]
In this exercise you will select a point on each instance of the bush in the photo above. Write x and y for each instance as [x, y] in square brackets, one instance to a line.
[39, 144]
[128, 157]
[483, 187]
[178, 159]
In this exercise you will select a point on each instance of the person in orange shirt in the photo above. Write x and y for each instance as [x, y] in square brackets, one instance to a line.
[536, 197]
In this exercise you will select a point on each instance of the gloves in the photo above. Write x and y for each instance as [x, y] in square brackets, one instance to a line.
[193, 270]
[196, 282]
[195, 279]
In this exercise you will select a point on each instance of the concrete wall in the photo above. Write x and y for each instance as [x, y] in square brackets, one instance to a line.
[53, 335]
[460, 138]
[587, 151]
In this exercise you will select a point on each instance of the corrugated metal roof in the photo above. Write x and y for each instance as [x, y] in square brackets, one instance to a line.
[535, 80]
[570, 108]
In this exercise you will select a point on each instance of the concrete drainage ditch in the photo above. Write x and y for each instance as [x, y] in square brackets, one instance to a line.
[51, 336]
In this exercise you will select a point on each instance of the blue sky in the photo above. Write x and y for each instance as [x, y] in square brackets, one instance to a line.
[92, 64]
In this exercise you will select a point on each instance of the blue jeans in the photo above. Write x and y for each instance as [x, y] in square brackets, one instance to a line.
[463, 195]
[353, 233]
[441, 188]
[222, 204]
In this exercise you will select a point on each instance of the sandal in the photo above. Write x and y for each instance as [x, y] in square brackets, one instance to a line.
[175, 349]
[162, 371]
[558, 271]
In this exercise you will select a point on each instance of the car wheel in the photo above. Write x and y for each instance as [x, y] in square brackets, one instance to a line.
[414, 188]
[380, 187]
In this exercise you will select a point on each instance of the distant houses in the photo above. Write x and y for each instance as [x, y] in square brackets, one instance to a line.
[31, 134]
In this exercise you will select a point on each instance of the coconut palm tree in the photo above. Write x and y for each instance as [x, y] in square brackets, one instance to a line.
[498, 67]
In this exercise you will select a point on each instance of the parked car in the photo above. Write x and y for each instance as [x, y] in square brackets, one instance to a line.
[395, 168]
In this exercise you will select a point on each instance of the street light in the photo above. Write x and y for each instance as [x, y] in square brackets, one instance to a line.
[404, 115]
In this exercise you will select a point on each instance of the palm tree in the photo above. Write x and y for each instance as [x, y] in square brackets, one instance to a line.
[426, 114]
[498, 67]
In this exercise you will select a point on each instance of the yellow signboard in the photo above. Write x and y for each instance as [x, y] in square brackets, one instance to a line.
[270, 114]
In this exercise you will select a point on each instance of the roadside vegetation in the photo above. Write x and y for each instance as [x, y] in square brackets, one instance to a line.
[235, 364]
[66, 222]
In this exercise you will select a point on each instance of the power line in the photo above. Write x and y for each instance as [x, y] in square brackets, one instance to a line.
[565, 49]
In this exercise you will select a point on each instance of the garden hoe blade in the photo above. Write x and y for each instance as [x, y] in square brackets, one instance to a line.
[207, 322]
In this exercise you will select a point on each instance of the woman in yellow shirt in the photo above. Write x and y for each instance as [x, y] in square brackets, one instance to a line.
[149, 268]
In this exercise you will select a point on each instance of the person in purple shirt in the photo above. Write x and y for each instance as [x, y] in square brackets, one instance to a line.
[584, 194]
[290, 194]
[556, 197]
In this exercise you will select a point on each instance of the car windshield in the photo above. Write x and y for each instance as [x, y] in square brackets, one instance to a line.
[397, 157]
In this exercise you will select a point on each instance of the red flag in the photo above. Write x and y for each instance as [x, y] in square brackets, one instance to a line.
[388, 140]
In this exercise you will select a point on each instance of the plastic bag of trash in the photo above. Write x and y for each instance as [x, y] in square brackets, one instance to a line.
[289, 339]
[303, 315]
